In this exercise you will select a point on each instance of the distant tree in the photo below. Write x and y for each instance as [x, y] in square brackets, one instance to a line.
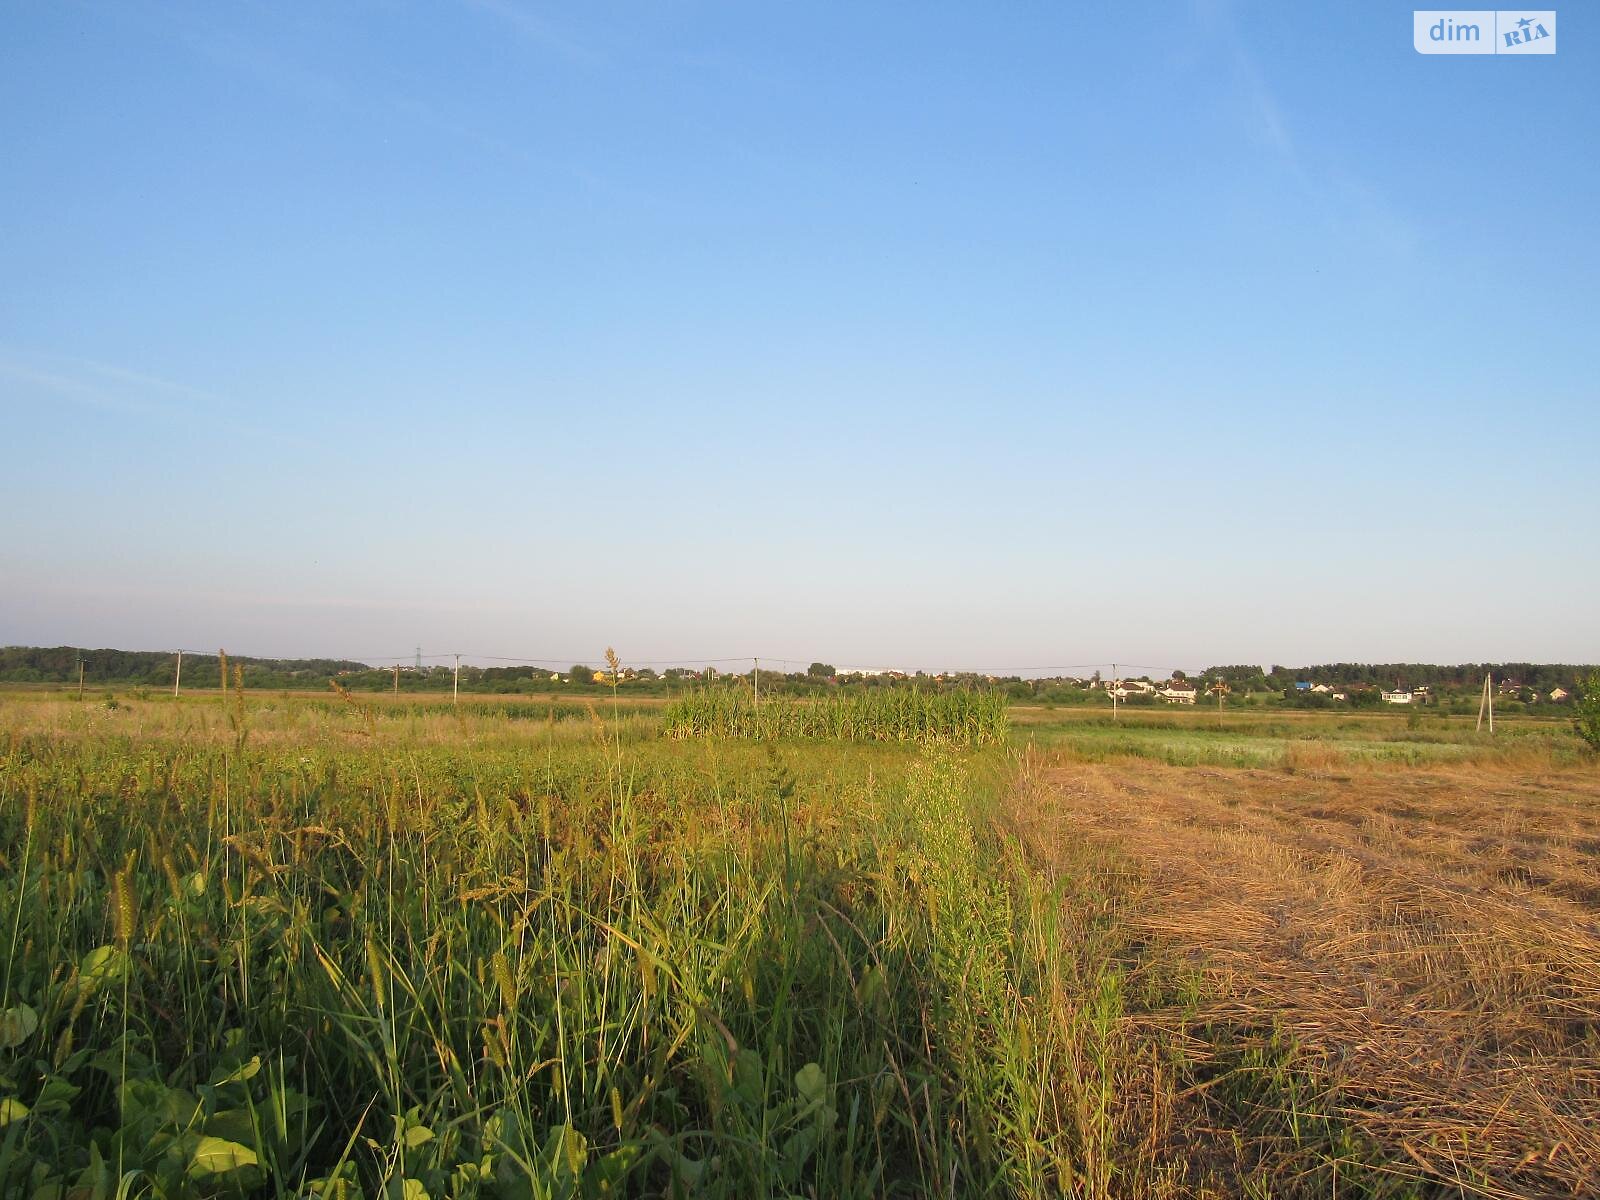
[824, 670]
[579, 673]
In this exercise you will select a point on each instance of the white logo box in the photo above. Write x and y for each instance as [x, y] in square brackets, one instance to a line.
[1484, 31]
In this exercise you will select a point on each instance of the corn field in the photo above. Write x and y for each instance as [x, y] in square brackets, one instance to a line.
[961, 718]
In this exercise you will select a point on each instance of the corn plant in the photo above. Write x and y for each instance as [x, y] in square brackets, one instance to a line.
[962, 718]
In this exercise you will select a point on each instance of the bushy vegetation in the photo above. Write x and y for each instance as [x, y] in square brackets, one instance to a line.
[1586, 712]
[965, 718]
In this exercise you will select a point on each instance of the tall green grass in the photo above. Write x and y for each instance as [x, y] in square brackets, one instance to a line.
[575, 969]
[961, 718]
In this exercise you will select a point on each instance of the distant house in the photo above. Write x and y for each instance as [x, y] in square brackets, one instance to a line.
[1321, 689]
[1558, 694]
[1178, 691]
[1397, 697]
[1123, 688]
[1302, 686]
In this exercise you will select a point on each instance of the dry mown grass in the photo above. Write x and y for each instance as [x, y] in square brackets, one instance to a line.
[1429, 941]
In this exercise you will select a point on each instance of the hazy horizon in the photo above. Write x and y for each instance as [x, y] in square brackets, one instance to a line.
[911, 337]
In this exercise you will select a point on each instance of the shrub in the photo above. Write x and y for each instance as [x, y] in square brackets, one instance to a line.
[1586, 711]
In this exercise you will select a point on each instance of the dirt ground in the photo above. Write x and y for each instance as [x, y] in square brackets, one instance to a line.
[1430, 940]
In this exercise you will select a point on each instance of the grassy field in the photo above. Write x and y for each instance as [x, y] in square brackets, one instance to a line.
[299, 946]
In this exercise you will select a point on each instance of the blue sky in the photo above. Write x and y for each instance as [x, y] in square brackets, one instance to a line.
[919, 335]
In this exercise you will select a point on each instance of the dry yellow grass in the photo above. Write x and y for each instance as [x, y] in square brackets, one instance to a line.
[1429, 940]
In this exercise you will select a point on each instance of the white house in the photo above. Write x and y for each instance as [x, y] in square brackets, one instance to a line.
[1397, 697]
[1557, 695]
[1178, 691]
[1123, 688]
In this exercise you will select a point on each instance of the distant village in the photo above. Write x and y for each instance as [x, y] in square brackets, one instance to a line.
[1186, 691]
[1179, 688]
[1528, 685]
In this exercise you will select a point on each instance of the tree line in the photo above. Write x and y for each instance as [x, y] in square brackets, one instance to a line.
[155, 668]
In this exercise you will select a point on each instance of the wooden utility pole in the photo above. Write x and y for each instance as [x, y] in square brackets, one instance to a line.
[397, 681]
[1115, 685]
[177, 676]
[455, 694]
[80, 679]
[758, 682]
[1486, 703]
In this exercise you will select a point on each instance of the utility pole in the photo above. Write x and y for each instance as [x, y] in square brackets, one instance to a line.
[455, 694]
[419, 660]
[758, 683]
[1486, 703]
[177, 675]
[80, 679]
[397, 681]
[1115, 686]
